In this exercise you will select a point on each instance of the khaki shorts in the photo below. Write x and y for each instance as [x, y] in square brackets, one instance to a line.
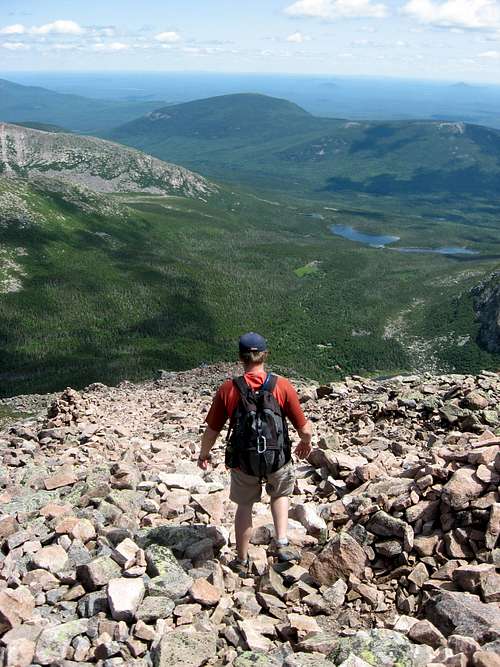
[246, 489]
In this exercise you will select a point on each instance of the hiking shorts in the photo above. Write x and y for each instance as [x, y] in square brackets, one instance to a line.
[247, 489]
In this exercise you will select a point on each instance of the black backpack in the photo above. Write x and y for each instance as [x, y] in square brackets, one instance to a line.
[257, 440]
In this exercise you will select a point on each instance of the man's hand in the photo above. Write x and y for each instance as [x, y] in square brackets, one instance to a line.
[303, 449]
[207, 442]
[204, 463]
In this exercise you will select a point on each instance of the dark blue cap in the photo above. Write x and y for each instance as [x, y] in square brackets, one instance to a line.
[252, 342]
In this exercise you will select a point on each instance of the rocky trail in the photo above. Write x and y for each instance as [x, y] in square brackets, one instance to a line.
[114, 545]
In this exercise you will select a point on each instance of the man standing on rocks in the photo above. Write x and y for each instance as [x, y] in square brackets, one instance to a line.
[258, 447]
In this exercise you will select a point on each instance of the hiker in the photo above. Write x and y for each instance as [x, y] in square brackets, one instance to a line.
[258, 448]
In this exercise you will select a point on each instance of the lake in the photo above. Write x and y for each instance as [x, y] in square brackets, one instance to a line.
[383, 240]
[372, 240]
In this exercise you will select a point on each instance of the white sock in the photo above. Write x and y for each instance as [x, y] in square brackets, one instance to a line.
[281, 541]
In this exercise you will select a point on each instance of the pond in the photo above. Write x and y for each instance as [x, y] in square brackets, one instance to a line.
[373, 240]
[450, 250]
[383, 240]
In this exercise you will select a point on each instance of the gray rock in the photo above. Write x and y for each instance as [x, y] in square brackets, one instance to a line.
[180, 538]
[382, 648]
[385, 525]
[252, 659]
[305, 660]
[53, 643]
[173, 585]
[98, 572]
[463, 614]
[160, 560]
[93, 603]
[181, 648]
[152, 608]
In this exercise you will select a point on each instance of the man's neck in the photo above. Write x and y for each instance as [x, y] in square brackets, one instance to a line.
[254, 368]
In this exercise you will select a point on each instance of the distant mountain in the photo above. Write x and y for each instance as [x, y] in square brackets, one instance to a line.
[100, 165]
[231, 120]
[269, 142]
[33, 104]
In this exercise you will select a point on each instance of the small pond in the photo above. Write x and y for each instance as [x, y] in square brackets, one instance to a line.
[383, 240]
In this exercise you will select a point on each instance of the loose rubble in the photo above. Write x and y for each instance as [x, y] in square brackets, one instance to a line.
[115, 546]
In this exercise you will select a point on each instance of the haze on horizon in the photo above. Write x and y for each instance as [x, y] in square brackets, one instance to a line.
[452, 40]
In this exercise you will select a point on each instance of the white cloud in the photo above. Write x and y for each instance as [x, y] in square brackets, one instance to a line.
[298, 38]
[493, 55]
[58, 27]
[112, 46]
[62, 47]
[471, 14]
[15, 46]
[16, 29]
[332, 9]
[168, 37]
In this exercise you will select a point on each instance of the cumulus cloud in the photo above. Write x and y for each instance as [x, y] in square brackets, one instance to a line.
[16, 29]
[15, 46]
[169, 37]
[110, 47]
[298, 38]
[470, 14]
[492, 55]
[333, 9]
[60, 27]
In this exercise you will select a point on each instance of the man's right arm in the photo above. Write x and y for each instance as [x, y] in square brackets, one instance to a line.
[215, 420]
[208, 440]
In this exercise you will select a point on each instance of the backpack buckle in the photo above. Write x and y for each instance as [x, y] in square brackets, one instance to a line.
[261, 444]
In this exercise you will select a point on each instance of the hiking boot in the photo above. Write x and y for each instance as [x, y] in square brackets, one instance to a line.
[240, 567]
[285, 553]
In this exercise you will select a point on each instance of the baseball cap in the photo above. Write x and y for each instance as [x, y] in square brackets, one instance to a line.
[252, 342]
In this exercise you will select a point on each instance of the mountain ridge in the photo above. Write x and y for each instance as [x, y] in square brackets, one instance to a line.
[27, 103]
[320, 154]
[99, 164]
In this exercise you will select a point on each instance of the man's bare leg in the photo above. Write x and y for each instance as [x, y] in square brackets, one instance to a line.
[279, 510]
[243, 530]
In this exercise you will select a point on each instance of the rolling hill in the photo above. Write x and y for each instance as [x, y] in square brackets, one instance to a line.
[260, 141]
[114, 264]
[82, 114]
[98, 164]
[105, 287]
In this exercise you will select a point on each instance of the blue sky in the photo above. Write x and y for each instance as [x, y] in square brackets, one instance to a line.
[426, 39]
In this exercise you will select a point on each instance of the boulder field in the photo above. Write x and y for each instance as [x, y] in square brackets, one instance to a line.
[114, 545]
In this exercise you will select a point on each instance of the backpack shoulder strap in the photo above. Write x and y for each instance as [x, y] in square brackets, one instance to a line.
[270, 382]
[241, 385]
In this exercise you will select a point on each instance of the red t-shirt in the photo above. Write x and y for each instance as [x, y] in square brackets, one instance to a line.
[227, 397]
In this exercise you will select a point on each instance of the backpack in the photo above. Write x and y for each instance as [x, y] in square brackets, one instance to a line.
[257, 441]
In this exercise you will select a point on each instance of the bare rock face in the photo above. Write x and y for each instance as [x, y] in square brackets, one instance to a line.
[487, 306]
[100, 165]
